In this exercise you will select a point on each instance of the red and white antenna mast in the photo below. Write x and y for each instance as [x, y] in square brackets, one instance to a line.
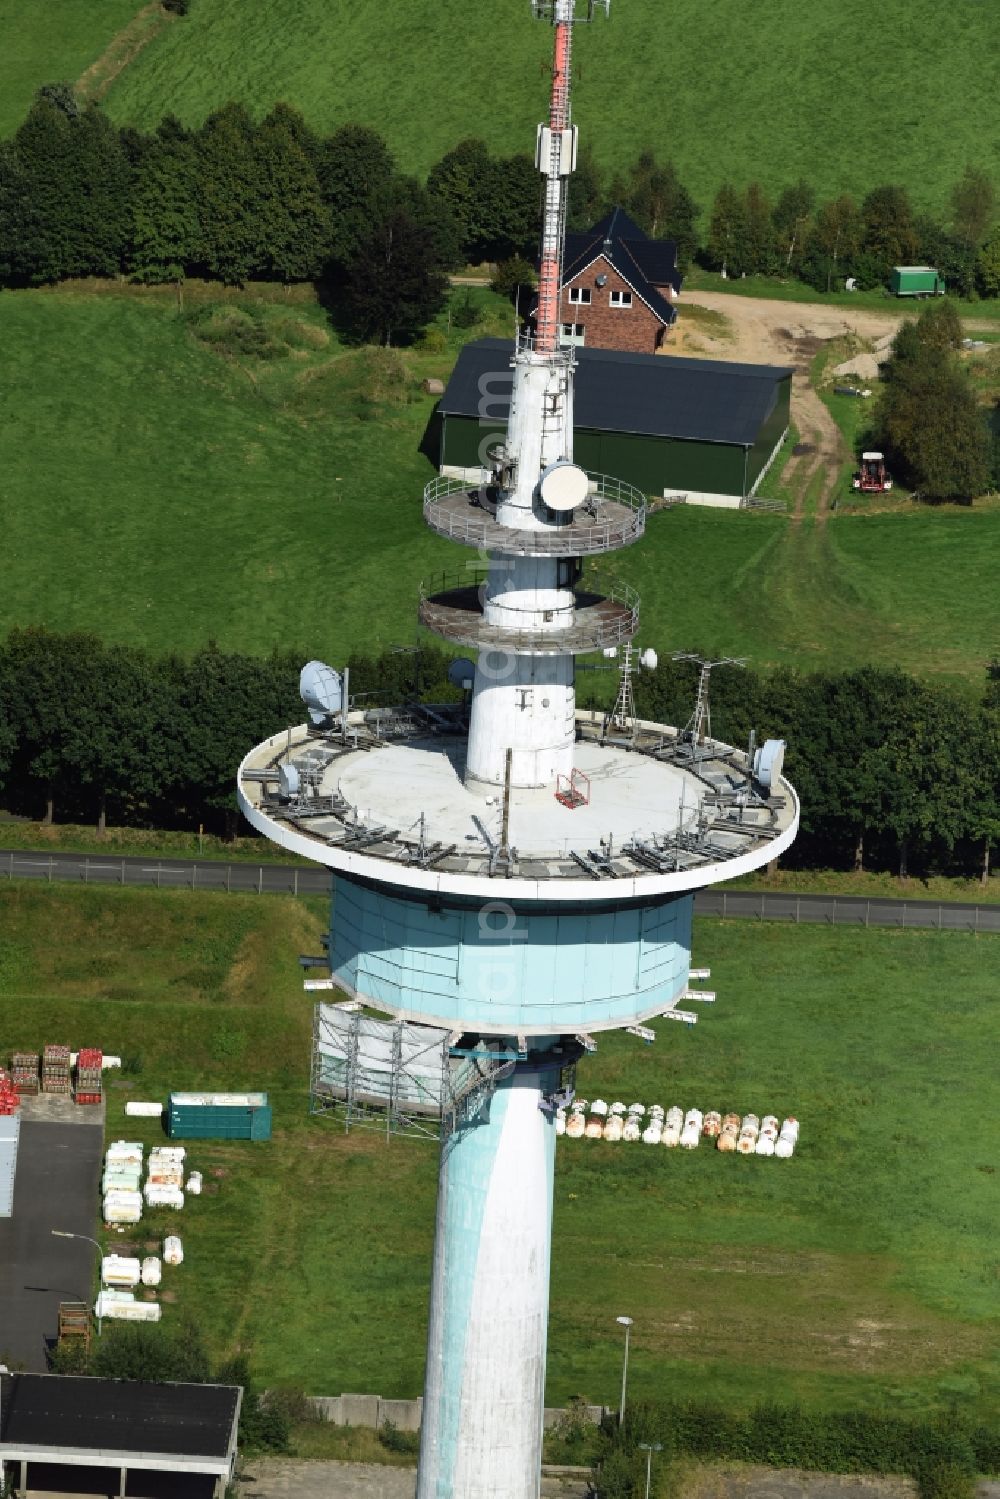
[556, 160]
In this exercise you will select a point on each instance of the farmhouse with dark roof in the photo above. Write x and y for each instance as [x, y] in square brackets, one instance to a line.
[618, 287]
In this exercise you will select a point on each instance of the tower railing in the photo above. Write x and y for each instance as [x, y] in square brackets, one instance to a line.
[612, 516]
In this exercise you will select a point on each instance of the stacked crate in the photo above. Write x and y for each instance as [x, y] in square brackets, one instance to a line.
[88, 1075]
[24, 1066]
[55, 1069]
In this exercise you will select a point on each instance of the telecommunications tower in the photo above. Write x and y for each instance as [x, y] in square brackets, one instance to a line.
[510, 875]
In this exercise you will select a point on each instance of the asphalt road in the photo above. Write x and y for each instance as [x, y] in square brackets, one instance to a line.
[285, 879]
[58, 1175]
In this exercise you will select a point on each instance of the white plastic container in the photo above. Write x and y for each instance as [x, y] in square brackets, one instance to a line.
[746, 1144]
[674, 1119]
[790, 1129]
[769, 1121]
[726, 1141]
[122, 1207]
[120, 1270]
[632, 1130]
[750, 1121]
[614, 1129]
[765, 1145]
[599, 1107]
[108, 1062]
[136, 1110]
[125, 1150]
[694, 1119]
[595, 1128]
[784, 1149]
[159, 1195]
[560, 1130]
[617, 1107]
[652, 1134]
[165, 1174]
[575, 1126]
[173, 1250]
[121, 1179]
[152, 1270]
[690, 1135]
[671, 1136]
[167, 1153]
[128, 1311]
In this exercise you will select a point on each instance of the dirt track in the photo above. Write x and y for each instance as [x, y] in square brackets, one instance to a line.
[772, 332]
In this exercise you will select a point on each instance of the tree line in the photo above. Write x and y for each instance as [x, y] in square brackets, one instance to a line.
[238, 199]
[823, 243]
[892, 772]
[944, 1454]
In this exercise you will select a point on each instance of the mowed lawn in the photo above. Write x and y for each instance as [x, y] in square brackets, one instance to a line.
[163, 493]
[52, 42]
[729, 91]
[861, 1272]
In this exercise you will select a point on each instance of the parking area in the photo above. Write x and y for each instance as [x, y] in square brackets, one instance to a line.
[58, 1175]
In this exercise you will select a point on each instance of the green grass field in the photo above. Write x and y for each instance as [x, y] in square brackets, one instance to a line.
[862, 1271]
[51, 43]
[161, 491]
[730, 91]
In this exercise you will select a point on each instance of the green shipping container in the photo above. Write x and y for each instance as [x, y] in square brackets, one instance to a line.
[916, 281]
[219, 1116]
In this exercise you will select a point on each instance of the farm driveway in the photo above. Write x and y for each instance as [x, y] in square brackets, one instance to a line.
[772, 332]
[274, 1478]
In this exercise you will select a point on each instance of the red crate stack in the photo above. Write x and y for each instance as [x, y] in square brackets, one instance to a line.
[9, 1100]
[24, 1067]
[55, 1069]
[88, 1075]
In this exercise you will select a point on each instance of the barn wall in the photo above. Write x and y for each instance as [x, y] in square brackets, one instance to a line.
[652, 464]
[771, 432]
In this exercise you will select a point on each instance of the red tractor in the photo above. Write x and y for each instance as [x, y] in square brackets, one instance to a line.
[872, 477]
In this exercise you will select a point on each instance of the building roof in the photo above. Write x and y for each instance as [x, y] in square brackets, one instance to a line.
[701, 400]
[117, 1415]
[645, 263]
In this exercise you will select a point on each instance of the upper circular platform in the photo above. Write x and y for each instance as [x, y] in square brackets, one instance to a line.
[389, 804]
[612, 516]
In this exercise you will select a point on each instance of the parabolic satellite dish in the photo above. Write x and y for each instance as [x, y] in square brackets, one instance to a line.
[768, 762]
[563, 486]
[462, 673]
[321, 690]
[288, 779]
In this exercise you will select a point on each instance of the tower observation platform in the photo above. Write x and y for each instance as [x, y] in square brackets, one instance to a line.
[511, 872]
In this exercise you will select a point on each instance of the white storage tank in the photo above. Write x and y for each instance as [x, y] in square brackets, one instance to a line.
[652, 1134]
[614, 1128]
[120, 1270]
[783, 1148]
[122, 1207]
[675, 1118]
[173, 1250]
[575, 1126]
[136, 1110]
[633, 1129]
[690, 1135]
[671, 1135]
[765, 1145]
[694, 1119]
[163, 1195]
[726, 1141]
[152, 1270]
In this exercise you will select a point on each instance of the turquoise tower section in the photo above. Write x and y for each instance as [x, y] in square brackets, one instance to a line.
[517, 967]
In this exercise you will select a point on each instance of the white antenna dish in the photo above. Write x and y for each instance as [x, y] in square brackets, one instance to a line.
[563, 486]
[649, 659]
[321, 689]
[768, 762]
[288, 779]
[462, 673]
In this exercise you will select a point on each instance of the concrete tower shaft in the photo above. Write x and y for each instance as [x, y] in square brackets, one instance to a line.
[521, 703]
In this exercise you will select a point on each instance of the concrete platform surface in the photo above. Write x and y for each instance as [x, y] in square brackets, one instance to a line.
[58, 1175]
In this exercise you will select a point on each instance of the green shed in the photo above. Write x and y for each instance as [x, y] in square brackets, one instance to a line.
[218, 1116]
[702, 429]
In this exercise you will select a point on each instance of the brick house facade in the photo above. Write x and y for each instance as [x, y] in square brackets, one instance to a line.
[610, 311]
[618, 287]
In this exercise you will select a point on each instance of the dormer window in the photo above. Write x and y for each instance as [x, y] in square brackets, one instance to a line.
[580, 295]
[621, 299]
